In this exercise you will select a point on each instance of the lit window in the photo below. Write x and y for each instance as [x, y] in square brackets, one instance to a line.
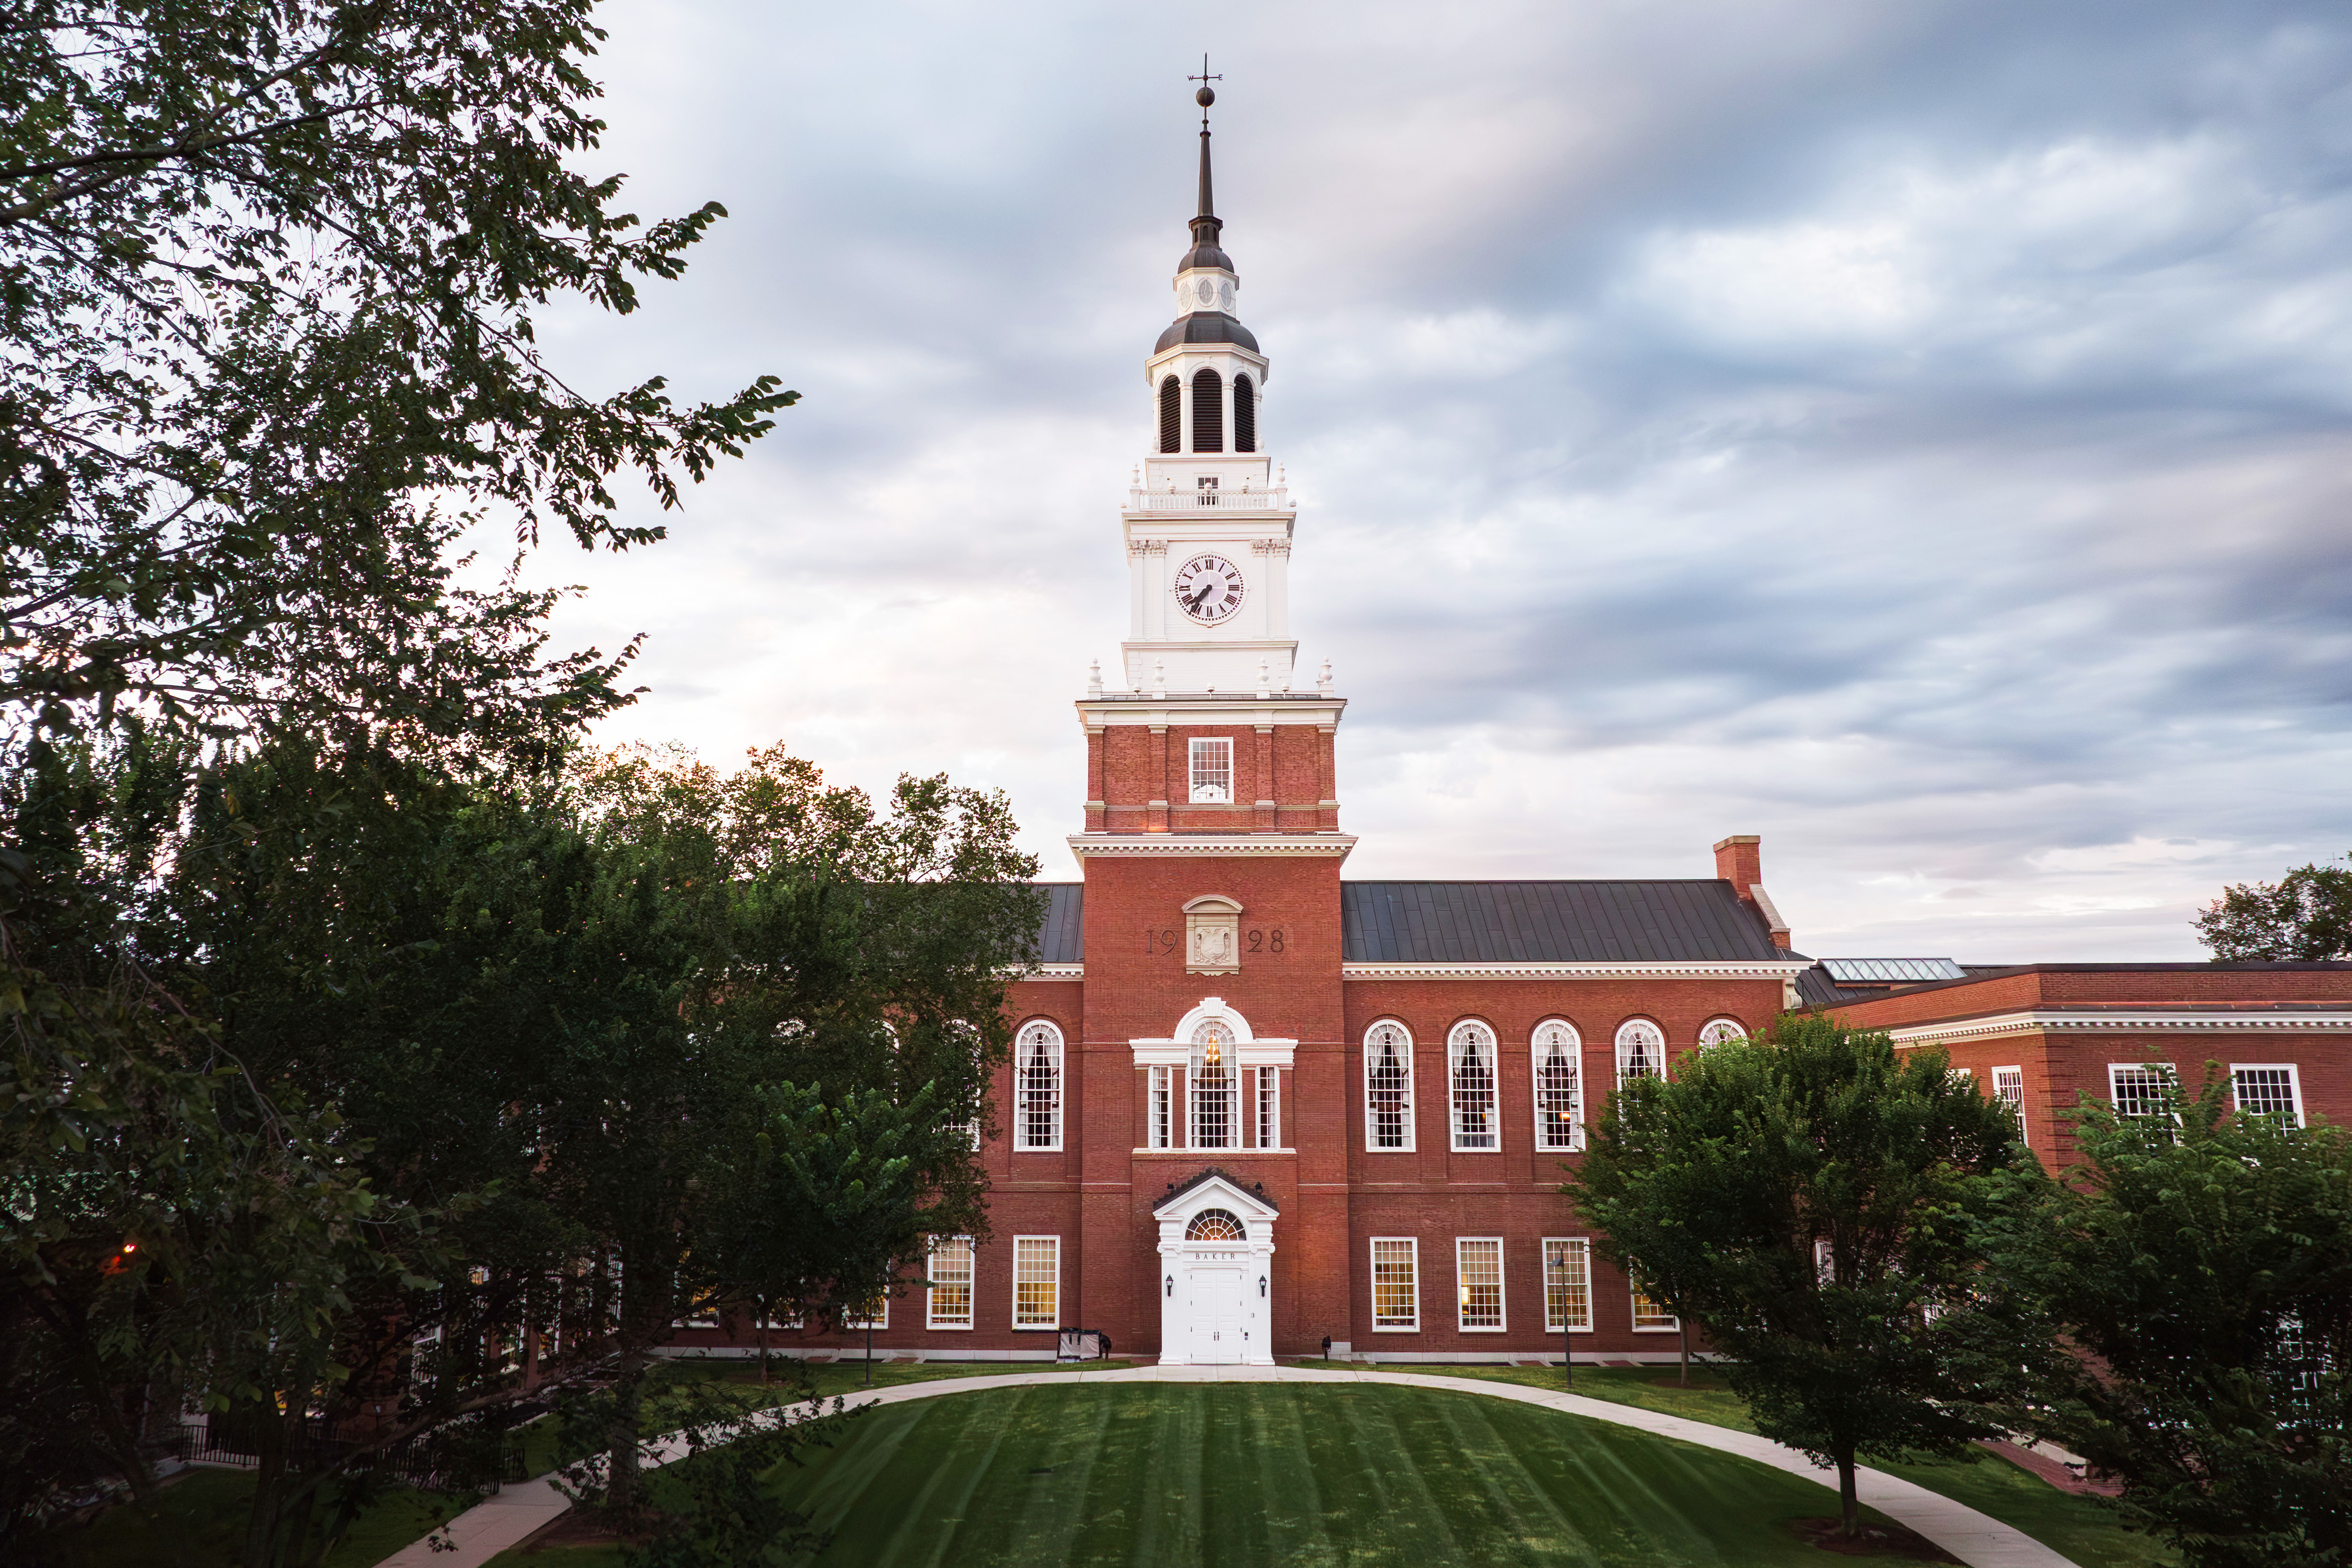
[951, 1270]
[1721, 1031]
[2008, 1088]
[1478, 1270]
[1396, 1285]
[1470, 1052]
[1560, 1087]
[1567, 1284]
[1641, 1051]
[2270, 1091]
[1651, 1317]
[1039, 1065]
[1388, 1087]
[704, 1316]
[1036, 1281]
[1212, 1088]
[874, 1312]
[1269, 1108]
[1213, 771]
[1159, 1108]
[2139, 1089]
[1216, 1224]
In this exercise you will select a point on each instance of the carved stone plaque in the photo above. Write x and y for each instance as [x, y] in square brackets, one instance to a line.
[1213, 935]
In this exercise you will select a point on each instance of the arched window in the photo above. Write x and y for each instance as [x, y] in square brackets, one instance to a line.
[1208, 412]
[1213, 1088]
[1719, 1030]
[1244, 415]
[1388, 1087]
[1216, 1224]
[1037, 1073]
[1172, 415]
[1641, 1050]
[1470, 1060]
[1559, 1085]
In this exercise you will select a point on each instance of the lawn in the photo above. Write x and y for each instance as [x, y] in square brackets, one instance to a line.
[1299, 1475]
[203, 1516]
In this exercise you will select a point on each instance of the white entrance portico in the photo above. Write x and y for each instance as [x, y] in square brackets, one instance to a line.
[1216, 1274]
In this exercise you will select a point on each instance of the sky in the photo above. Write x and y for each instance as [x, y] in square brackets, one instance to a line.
[1914, 433]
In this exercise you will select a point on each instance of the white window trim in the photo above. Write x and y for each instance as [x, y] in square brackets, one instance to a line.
[1229, 1062]
[1636, 1025]
[1159, 1107]
[1201, 746]
[1455, 1050]
[1535, 1055]
[1413, 1252]
[850, 1325]
[2164, 1070]
[932, 1318]
[1583, 1250]
[1634, 1309]
[1716, 1028]
[1502, 1288]
[1018, 1326]
[2017, 1106]
[1412, 1116]
[2293, 1082]
[1020, 1142]
[1268, 1108]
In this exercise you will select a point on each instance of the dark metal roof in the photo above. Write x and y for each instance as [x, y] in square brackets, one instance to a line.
[1214, 1173]
[1061, 938]
[1205, 327]
[1550, 922]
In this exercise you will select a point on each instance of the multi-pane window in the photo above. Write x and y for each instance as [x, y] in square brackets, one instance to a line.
[2267, 1092]
[1037, 1072]
[2008, 1088]
[1212, 1089]
[1567, 1283]
[1159, 1108]
[1388, 1087]
[1036, 1281]
[1396, 1284]
[874, 1312]
[1269, 1108]
[1641, 1051]
[1213, 771]
[1648, 1316]
[1470, 1057]
[950, 1271]
[1478, 1272]
[2139, 1089]
[1560, 1087]
[1721, 1031]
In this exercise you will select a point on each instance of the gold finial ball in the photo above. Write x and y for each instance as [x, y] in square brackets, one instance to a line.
[1205, 97]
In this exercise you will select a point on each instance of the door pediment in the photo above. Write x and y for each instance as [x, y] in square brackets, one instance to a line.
[1213, 1189]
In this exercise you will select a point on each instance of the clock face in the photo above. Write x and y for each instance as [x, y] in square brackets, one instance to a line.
[1209, 587]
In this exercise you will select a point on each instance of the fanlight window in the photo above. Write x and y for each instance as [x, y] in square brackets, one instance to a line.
[1560, 1087]
[1244, 415]
[1172, 415]
[1470, 1054]
[1208, 412]
[1216, 1224]
[1214, 1087]
[1039, 1082]
[1720, 1030]
[1641, 1051]
[1388, 1087]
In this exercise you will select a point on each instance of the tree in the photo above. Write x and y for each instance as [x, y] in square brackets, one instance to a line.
[2305, 917]
[2199, 1264]
[1807, 1199]
[267, 277]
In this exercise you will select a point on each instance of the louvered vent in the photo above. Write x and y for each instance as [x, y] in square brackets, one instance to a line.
[1208, 412]
[1172, 415]
[1244, 415]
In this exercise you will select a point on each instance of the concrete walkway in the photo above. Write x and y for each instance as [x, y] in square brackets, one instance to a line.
[483, 1532]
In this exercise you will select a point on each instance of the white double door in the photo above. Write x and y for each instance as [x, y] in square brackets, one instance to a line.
[1217, 1298]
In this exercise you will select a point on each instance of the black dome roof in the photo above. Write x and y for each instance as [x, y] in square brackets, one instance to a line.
[1205, 327]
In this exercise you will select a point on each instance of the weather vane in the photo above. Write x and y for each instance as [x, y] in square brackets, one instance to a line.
[1207, 95]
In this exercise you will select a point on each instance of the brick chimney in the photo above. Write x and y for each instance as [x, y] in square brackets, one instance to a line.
[1739, 861]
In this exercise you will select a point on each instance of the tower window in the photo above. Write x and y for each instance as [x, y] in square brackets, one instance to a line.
[1172, 415]
[1208, 412]
[1244, 415]
[1213, 771]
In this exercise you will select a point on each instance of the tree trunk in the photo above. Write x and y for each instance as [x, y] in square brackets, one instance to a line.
[1682, 1330]
[1849, 1506]
[764, 1308]
[869, 1350]
[621, 1436]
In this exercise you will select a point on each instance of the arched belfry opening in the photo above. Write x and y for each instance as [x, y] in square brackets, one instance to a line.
[1244, 415]
[1172, 415]
[1208, 412]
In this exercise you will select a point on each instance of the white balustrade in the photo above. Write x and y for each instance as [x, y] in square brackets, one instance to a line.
[1186, 503]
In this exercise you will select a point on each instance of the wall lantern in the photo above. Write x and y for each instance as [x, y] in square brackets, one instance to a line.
[1170, 1283]
[1261, 1286]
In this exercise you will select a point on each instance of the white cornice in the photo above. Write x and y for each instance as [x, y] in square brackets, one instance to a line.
[1055, 972]
[1172, 846]
[1751, 969]
[2190, 1020]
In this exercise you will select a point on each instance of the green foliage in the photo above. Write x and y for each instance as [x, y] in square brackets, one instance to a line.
[2305, 917]
[2204, 1262]
[1810, 1199]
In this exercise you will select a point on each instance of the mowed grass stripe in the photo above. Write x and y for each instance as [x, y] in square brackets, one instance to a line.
[1295, 1474]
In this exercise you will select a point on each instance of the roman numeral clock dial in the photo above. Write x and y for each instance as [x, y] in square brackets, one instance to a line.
[1209, 587]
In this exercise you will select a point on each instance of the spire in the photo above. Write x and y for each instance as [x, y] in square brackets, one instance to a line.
[1206, 225]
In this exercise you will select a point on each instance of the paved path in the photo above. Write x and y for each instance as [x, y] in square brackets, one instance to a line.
[483, 1532]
